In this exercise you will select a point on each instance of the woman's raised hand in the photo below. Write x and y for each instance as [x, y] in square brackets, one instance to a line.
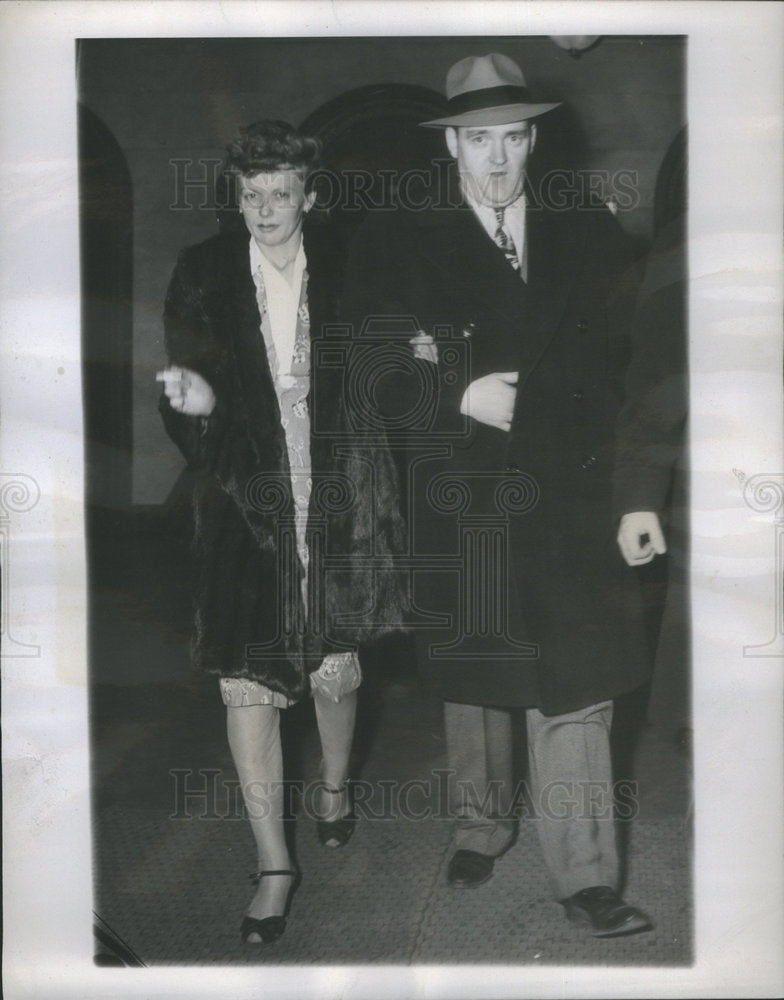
[187, 391]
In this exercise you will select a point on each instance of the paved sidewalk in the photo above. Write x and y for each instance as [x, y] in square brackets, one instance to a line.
[173, 889]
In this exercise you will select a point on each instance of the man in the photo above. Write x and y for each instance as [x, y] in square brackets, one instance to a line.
[508, 403]
[650, 480]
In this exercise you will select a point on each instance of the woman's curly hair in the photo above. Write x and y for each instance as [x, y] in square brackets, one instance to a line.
[268, 146]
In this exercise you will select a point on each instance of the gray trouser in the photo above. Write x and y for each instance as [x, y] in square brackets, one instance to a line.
[570, 780]
[479, 745]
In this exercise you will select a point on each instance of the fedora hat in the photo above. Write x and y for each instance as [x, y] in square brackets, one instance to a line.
[487, 90]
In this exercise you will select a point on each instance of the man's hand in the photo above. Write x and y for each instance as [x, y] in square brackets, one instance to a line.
[425, 348]
[187, 391]
[491, 399]
[640, 537]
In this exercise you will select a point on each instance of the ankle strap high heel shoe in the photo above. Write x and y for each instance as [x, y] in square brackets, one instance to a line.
[337, 832]
[269, 929]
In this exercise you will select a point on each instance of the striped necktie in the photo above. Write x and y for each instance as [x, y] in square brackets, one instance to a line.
[502, 240]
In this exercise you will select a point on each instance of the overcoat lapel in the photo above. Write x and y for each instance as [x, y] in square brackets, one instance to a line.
[258, 397]
[322, 293]
[552, 268]
[455, 242]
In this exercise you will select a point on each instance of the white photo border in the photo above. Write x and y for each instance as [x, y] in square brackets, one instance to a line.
[735, 105]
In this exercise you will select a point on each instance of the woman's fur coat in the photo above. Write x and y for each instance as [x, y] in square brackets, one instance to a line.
[250, 614]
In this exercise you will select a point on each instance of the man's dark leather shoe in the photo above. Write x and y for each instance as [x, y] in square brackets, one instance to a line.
[604, 913]
[468, 869]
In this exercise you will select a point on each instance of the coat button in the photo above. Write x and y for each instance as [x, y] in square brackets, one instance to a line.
[589, 462]
[469, 330]
[512, 467]
[582, 326]
[578, 395]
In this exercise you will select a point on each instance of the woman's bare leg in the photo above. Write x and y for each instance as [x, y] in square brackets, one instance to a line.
[254, 740]
[336, 729]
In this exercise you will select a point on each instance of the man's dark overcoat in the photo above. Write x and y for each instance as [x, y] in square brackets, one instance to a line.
[512, 538]
[250, 619]
[651, 463]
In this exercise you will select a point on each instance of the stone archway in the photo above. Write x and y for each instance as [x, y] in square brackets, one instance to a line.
[373, 143]
[106, 245]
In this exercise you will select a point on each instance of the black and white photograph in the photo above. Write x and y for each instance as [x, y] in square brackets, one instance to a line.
[410, 484]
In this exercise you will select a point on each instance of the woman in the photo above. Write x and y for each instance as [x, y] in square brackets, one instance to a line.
[275, 499]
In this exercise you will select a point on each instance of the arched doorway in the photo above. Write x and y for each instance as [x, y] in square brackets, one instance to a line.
[106, 243]
[373, 144]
